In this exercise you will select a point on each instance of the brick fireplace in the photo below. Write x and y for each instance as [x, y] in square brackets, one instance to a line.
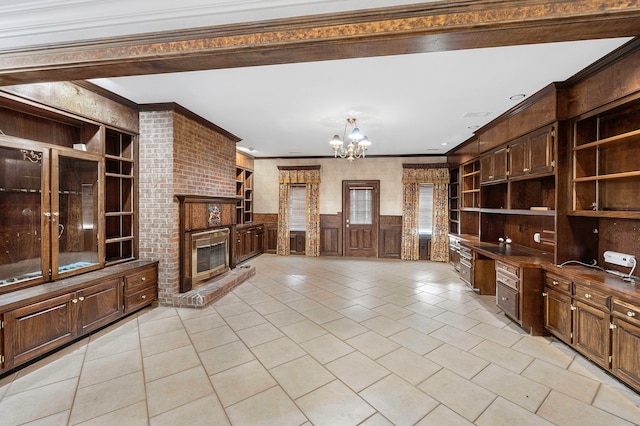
[179, 153]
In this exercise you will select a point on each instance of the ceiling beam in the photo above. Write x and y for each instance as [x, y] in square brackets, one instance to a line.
[419, 28]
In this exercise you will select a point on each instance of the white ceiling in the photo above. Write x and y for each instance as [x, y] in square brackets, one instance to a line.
[410, 104]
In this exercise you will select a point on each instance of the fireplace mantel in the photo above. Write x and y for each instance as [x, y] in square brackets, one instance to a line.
[197, 214]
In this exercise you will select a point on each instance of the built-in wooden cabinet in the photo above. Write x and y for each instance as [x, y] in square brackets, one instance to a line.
[38, 320]
[601, 325]
[454, 200]
[519, 294]
[470, 183]
[493, 166]
[249, 241]
[532, 154]
[244, 192]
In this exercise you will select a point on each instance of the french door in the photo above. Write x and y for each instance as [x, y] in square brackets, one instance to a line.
[361, 212]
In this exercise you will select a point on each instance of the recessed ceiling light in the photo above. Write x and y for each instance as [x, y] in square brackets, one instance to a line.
[476, 114]
[474, 127]
[517, 97]
[444, 143]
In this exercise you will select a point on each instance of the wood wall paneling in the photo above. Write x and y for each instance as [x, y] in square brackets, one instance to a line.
[331, 234]
[390, 241]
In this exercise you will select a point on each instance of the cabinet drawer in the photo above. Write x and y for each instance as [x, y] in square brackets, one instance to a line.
[627, 311]
[505, 268]
[138, 300]
[507, 300]
[508, 280]
[466, 269]
[591, 296]
[557, 283]
[465, 253]
[140, 280]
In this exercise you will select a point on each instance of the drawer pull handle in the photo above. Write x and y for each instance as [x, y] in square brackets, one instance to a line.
[555, 282]
[503, 298]
[143, 278]
[144, 296]
[631, 314]
[544, 294]
[81, 298]
[74, 300]
[587, 295]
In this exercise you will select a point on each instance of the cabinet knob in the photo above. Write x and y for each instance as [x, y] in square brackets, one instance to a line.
[525, 169]
[144, 296]
[544, 294]
[81, 298]
[631, 314]
[587, 296]
[612, 326]
[573, 308]
[503, 298]
[74, 300]
[555, 282]
[143, 279]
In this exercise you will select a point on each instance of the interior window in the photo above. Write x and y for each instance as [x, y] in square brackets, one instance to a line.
[425, 207]
[297, 208]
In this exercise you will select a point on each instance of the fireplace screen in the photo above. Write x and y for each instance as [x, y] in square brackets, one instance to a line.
[210, 254]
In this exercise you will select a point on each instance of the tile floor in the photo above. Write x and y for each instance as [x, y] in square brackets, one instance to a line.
[322, 341]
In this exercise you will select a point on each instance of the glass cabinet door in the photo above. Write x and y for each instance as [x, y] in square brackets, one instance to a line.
[75, 213]
[23, 225]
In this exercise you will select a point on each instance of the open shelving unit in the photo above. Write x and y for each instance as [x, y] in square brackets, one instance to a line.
[244, 193]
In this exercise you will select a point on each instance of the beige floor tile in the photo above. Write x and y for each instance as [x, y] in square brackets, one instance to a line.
[393, 312]
[416, 341]
[358, 313]
[511, 386]
[167, 363]
[460, 362]
[372, 344]
[565, 381]
[345, 328]
[497, 320]
[107, 347]
[301, 376]
[322, 315]
[285, 317]
[456, 337]
[336, 303]
[334, 404]
[186, 314]
[457, 307]
[398, 401]
[160, 326]
[369, 301]
[202, 323]
[57, 419]
[173, 391]
[46, 372]
[303, 331]
[561, 409]
[288, 296]
[107, 368]
[232, 309]
[304, 305]
[400, 300]
[268, 408]
[259, 334]
[133, 415]
[37, 403]
[102, 398]
[273, 289]
[462, 396]
[357, 371]
[201, 412]
[504, 357]
[213, 337]
[276, 352]
[421, 323]
[150, 314]
[495, 334]
[163, 342]
[429, 298]
[326, 348]
[506, 413]
[409, 365]
[442, 415]
[456, 320]
[376, 420]
[224, 357]
[613, 401]
[255, 298]
[245, 320]
[241, 382]
[384, 326]
[269, 307]
[542, 350]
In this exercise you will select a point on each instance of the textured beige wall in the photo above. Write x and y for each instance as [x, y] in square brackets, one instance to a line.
[333, 171]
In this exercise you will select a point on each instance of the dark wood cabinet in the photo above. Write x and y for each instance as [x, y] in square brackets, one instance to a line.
[625, 351]
[493, 166]
[39, 320]
[557, 307]
[532, 155]
[249, 241]
[519, 293]
[591, 333]
[297, 242]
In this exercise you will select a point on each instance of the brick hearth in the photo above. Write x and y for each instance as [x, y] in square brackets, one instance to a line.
[212, 290]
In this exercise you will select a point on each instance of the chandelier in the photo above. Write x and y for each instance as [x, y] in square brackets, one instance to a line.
[358, 143]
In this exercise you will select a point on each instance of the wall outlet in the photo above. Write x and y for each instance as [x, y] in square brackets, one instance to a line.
[620, 259]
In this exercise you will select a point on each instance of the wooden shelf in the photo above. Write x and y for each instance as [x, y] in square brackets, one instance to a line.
[522, 212]
[614, 214]
[477, 172]
[633, 136]
[621, 175]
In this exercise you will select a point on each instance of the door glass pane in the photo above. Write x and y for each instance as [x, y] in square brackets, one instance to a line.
[360, 206]
[21, 207]
[77, 224]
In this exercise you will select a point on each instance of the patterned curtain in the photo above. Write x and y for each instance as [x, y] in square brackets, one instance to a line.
[311, 178]
[412, 177]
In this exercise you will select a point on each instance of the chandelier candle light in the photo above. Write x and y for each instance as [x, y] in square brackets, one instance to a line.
[358, 143]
